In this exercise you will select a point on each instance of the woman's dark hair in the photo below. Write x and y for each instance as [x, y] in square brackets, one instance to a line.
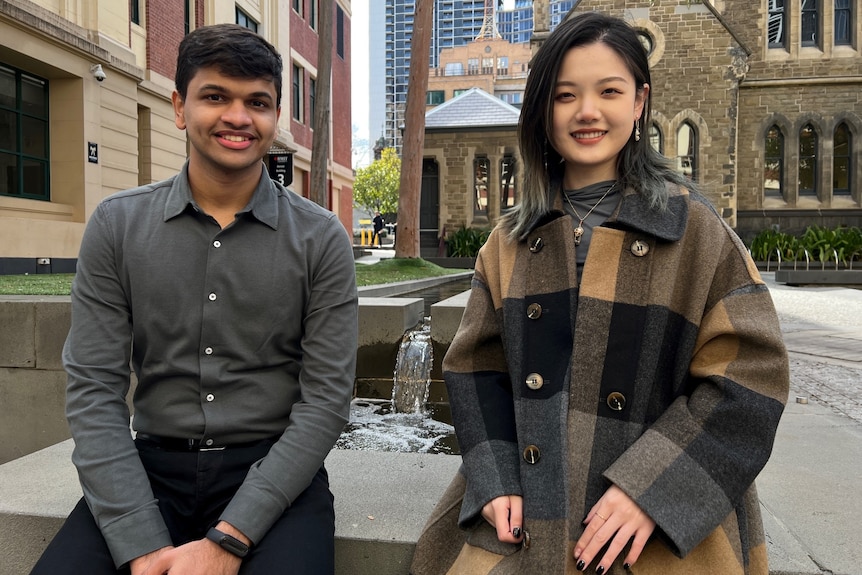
[233, 50]
[639, 166]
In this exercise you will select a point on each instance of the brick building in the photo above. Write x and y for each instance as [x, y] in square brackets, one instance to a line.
[759, 101]
[85, 108]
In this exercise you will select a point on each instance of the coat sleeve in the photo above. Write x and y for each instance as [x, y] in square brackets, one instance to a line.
[480, 395]
[694, 464]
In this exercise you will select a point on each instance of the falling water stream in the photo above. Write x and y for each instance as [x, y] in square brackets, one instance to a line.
[403, 423]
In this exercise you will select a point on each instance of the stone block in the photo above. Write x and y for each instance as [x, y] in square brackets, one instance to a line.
[446, 317]
[17, 345]
[32, 404]
[385, 319]
[53, 319]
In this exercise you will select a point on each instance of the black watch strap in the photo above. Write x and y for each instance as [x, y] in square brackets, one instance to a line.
[227, 542]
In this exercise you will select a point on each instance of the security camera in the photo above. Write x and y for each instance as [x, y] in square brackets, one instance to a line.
[98, 73]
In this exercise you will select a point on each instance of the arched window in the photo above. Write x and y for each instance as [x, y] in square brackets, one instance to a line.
[841, 172]
[777, 24]
[773, 163]
[481, 171]
[655, 138]
[686, 151]
[844, 23]
[810, 23]
[508, 182]
[807, 161]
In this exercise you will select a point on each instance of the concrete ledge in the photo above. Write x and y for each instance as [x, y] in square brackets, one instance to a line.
[397, 288]
[382, 501]
[819, 277]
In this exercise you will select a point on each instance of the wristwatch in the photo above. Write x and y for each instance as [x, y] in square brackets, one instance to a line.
[227, 542]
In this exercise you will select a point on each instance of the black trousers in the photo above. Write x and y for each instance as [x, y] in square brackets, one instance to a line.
[193, 488]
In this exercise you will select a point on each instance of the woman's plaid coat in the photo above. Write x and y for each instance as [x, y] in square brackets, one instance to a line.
[662, 371]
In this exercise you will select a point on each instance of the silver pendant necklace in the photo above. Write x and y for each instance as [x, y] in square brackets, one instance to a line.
[579, 231]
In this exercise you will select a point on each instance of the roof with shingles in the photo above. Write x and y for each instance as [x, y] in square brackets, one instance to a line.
[475, 108]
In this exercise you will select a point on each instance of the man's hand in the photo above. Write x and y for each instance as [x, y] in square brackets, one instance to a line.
[506, 515]
[614, 519]
[201, 557]
[150, 563]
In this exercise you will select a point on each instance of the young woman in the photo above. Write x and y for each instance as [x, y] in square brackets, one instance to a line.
[619, 372]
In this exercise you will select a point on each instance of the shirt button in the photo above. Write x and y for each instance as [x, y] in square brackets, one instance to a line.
[216, 244]
[208, 351]
[532, 454]
[212, 297]
[616, 401]
[210, 397]
[534, 311]
[535, 381]
[209, 441]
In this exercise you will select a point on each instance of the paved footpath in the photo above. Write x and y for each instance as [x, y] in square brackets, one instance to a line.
[811, 489]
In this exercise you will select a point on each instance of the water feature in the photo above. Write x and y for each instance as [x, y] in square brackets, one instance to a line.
[407, 422]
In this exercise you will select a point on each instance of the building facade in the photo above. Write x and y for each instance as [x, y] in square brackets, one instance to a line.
[85, 109]
[758, 101]
[495, 65]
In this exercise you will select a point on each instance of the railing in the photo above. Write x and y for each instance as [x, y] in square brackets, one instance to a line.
[804, 252]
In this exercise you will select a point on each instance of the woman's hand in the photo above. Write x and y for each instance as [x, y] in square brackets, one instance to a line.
[506, 515]
[615, 518]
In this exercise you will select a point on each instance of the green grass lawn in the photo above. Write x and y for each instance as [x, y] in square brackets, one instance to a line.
[382, 272]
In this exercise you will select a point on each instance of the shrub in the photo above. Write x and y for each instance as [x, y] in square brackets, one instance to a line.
[465, 243]
[822, 245]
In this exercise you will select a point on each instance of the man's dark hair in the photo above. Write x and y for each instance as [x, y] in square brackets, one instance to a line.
[233, 50]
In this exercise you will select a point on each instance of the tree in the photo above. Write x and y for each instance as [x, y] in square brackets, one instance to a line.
[320, 143]
[410, 192]
[376, 185]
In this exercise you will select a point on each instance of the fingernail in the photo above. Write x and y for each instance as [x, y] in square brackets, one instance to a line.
[600, 570]
[581, 565]
[516, 531]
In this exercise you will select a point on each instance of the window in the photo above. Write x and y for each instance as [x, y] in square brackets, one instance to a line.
[481, 170]
[686, 151]
[810, 36]
[297, 6]
[655, 138]
[487, 66]
[312, 19]
[843, 22]
[807, 161]
[472, 66]
[312, 94]
[508, 182]
[841, 164]
[435, 97]
[773, 163]
[503, 66]
[339, 31]
[297, 93]
[187, 17]
[24, 159]
[454, 69]
[456, 93]
[244, 19]
[777, 24]
[135, 11]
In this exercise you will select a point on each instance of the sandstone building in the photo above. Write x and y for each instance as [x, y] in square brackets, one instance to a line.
[758, 101]
[85, 108]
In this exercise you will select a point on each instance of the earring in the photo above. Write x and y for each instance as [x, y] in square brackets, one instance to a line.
[637, 132]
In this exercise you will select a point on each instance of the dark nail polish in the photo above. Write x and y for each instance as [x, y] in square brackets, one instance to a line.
[627, 566]
[581, 565]
[516, 531]
[600, 570]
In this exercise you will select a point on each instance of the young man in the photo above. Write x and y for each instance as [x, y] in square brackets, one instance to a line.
[235, 301]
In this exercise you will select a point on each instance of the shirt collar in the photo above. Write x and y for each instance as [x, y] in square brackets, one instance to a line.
[263, 205]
